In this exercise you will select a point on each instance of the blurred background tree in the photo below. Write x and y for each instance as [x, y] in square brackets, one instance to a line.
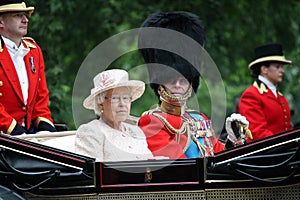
[68, 30]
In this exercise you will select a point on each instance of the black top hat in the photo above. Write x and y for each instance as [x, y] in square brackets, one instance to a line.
[14, 6]
[269, 52]
[183, 22]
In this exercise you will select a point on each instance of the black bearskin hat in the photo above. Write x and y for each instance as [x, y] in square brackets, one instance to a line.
[183, 22]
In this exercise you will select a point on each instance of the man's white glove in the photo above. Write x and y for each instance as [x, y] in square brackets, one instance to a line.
[237, 129]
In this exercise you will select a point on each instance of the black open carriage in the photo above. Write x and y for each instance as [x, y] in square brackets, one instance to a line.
[264, 169]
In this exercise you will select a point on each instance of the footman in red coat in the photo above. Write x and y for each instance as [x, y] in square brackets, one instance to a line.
[24, 95]
[265, 107]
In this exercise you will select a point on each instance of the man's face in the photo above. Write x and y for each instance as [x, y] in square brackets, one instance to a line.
[177, 87]
[14, 25]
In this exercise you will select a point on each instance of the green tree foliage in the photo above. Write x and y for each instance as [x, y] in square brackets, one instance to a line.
[68, 30]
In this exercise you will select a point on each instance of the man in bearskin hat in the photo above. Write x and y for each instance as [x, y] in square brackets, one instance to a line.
[266, 109]
[173, 130]
[24, 95]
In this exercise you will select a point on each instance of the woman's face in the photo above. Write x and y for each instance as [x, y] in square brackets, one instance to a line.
[274, 73]
[116, 106]
[177, 87]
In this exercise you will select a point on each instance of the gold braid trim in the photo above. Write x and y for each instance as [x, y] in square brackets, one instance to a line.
[12, 126]
[29, 44]
[189, 135]
[42, 119]
[261, 89]
[200, 147]
[170, 128]
[172, 99]
[184, 128]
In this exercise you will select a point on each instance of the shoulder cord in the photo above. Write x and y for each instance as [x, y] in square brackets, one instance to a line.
[184, 128]
[200, 146]
[170, 128]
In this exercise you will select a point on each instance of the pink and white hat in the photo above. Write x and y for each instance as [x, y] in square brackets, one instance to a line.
[110, 79]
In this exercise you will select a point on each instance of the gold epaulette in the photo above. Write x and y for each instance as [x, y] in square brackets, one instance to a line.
[29, 38]
[153, 109]
[146, 113]
[191, 110]
[261, 89]
[1, 45]
[30, 42]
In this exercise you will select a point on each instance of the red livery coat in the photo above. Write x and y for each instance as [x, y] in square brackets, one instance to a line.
[12, 107]
[266, 113]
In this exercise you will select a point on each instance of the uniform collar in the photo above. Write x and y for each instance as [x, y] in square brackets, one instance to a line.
[20, 51]
[27, 42]
[172, 109]
[11, 46]
[268, 83]
[262, 87]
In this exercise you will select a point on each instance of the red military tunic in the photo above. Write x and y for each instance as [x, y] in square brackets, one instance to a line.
[12, 107]
[266, 113]
[162, 141]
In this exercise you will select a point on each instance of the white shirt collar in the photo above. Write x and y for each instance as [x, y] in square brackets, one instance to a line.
[13, 48]
[270, 85]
